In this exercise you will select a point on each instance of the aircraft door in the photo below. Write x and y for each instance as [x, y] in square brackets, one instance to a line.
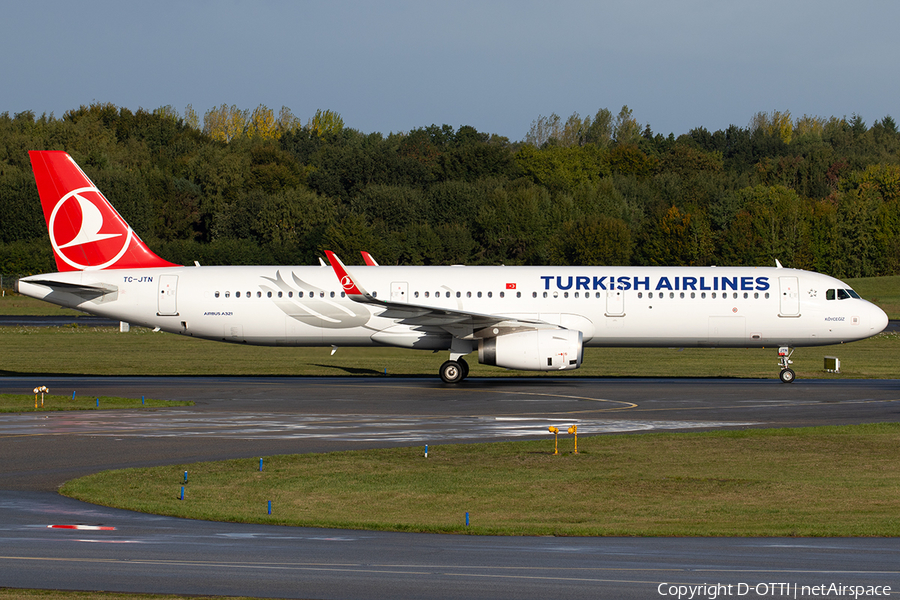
[167, 296]
[400, 291]
[790, 296]
[615, 303]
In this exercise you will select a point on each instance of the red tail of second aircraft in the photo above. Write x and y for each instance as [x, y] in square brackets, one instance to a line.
[86, 232]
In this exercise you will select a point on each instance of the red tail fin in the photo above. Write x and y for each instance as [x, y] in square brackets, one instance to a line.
[85, 230]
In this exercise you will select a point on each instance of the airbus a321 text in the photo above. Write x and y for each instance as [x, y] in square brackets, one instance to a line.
[530, 318]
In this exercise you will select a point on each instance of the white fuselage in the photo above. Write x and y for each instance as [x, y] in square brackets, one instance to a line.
[611, 306]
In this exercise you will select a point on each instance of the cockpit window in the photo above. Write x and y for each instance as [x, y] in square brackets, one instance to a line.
[840, 294]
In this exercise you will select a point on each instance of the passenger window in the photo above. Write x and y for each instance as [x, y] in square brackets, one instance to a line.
[299, 294]
[479, 294]
[343, 294]
[237, 294]
[693, 294]
[746, 295]
[468, 294]
[703, 295]
[332, 294]
[640, 294]
[458, 294]
[565, 294]
[249, 294]
[426, 294]
[503, 294]
[291, 295]
[217, 294]
[415, 294]
[682, 295]
[279, 294]
[227, 294]
[259, 294]
[534, 294]
[545, 294]
[518, 294]
[490, 294]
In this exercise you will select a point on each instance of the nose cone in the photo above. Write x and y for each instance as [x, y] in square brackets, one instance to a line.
[878, 319]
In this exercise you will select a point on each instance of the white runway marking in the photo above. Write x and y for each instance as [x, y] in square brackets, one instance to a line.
[355, 428]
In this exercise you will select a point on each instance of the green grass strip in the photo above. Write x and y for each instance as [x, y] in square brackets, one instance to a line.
[28, 403]
[77, 350]
[823, 481]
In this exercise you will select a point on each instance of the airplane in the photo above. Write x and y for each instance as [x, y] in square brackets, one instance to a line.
[516, 317]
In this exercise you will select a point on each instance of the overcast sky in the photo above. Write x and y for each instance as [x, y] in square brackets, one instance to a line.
[397, 65]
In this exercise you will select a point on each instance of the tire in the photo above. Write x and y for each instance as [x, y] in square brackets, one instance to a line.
[787, 376]
[451, 372]
[465, 367]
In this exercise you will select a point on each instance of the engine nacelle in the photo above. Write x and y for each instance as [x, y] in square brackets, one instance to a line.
[539, 350]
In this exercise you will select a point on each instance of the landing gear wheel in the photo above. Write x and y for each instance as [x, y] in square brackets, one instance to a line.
[465, 367]
[787, 376]
[451, 372]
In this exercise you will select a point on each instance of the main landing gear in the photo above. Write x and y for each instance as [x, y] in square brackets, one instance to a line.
[787, 374]
[454, 371]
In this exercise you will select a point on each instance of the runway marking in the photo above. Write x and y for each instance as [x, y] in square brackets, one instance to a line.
[82, 527]
[407, 429]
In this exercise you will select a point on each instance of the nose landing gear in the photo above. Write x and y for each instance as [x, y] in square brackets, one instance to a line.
[787, 374]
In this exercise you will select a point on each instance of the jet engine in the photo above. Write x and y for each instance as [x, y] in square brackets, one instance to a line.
[539, 350]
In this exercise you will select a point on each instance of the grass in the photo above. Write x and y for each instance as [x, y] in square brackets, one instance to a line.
[823, 481]
[50, 403]
[883, 291]
[16, 305]
[76, 350]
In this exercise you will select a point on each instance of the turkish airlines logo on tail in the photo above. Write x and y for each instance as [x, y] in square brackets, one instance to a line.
[77, 230]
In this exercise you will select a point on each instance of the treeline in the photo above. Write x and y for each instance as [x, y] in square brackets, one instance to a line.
[258, 188]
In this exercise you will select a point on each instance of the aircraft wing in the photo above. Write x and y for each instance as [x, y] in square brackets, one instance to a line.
[459, 323]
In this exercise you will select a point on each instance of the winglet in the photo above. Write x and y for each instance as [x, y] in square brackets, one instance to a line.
[368, 259]
[343, 276]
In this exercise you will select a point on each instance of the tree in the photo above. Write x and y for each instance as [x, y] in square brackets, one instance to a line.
[225, 123]
[627, 130]
[262, 124]
[600, 130]
[325, 123]
[543, 129]
[591, 240]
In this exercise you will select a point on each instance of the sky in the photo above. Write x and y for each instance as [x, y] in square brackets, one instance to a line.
[393, 65]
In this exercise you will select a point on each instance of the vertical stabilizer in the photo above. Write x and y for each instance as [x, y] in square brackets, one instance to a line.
[85, 230]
